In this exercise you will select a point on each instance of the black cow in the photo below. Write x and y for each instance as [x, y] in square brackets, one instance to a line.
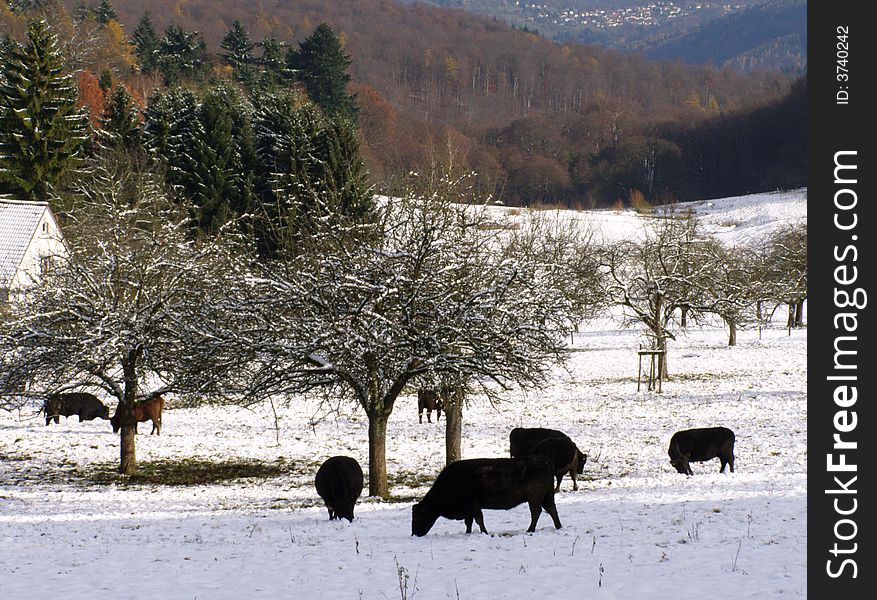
[86, 405]
[562, 451]
[696, 445]
[339, 483]
[429, 400]
[465, 487]
[565, 456]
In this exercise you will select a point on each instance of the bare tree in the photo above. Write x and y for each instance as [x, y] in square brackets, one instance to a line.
[785, 270]
[668, 271]
[429, 294]
[133, 309]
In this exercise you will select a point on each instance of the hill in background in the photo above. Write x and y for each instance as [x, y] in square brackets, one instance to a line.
[540, 121]
[746, 35]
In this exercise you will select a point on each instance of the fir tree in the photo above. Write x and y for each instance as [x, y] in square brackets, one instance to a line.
[321, 65]
[146, 43]
[41, 131]
[210, 173]
[120, 123]
[272, 61]
[311, 173]
[181, 54]
[239, 53]
[104, 13]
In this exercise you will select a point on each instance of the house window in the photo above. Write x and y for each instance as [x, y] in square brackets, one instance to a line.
[45, 264]
[4, 295]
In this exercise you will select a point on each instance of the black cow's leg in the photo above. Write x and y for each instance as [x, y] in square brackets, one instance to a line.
[551, 508]
[479, 518]
[572, 474]
[731, 463]
[535, 511]
[468, 521]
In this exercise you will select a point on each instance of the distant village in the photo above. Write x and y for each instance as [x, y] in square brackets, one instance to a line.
[648, 15]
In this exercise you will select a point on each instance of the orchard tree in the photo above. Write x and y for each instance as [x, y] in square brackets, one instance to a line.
[423, 293]
[786, 269]
[133, 308]
[42, 133]
[658, 277]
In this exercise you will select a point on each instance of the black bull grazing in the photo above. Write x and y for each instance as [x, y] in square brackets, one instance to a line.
[86, 405]
[697, 445]
[339, 483]
[465, 487]
[553, 444]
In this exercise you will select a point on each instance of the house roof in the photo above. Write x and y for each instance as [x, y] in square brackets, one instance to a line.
[19, 220]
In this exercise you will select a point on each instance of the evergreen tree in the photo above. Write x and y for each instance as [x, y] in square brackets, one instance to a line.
[105, 12]
[210, 173]
[146, 43]
[41, 131]
[311, 174]
[169, 121]
[272, 61]
[120, 123]
[181, 54]
[321, 65]
[239, 53]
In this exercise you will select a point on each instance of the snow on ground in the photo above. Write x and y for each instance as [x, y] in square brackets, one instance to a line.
[634, 530]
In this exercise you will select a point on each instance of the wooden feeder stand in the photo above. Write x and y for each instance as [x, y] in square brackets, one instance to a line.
[656, 367]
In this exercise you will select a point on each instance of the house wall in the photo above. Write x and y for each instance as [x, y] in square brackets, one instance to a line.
[45, 244]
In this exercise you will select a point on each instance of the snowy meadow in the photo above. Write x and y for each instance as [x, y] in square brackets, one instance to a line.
[635, 529]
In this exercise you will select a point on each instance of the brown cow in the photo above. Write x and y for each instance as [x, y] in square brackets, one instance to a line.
[148, 410]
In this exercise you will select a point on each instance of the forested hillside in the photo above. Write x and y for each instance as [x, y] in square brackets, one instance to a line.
[539, 121]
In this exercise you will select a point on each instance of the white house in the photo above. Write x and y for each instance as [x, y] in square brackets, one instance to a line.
[29, 238]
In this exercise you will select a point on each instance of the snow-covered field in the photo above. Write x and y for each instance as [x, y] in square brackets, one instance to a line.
[634, 530]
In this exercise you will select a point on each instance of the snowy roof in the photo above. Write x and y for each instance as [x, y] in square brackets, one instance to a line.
[19, 220]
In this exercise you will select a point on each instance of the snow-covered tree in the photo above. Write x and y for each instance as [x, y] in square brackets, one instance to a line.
[662, 276]
[425, 293]
[146, 43]
[133, 308]
[41, 130]
[238, 53]
[785, 270]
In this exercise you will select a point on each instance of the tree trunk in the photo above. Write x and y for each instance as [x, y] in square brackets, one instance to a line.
[799, 313]
[732, 335]
[454, 426]
[128, 429]
[684, 320]
[377, 455]
[790, 323]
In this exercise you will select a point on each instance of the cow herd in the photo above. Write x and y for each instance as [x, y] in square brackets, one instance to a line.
[538, 456]
[88, 407]
[539, 459]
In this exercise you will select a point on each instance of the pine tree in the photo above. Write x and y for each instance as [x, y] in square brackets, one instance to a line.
[311, 174]
[146, 41]
[105, 12]
[120, 123]
[41, 131]
[239, 53]
[181, 54]
[321, 65]
[273, 64]
[210, 173]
